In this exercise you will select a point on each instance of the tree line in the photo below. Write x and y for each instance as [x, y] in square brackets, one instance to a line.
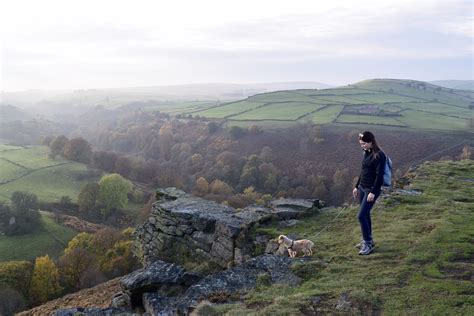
[199, 157]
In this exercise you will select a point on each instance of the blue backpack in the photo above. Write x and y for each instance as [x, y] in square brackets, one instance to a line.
[387, 174]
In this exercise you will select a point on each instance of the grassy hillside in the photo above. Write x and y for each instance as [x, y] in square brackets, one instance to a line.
[388, 102]
[422, 264]
[30, 169]
[51, 240]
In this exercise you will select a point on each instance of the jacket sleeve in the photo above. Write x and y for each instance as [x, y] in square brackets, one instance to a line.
[379, 173]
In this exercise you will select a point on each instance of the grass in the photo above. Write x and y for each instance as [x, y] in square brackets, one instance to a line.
[417, 119]
[10, 171]
[423, 106]
[325, 115]
[28, 247]
[49, 184]
[440, 109]
[228, 109]
[281, 96]
[383, 98]
[279, 111]
[32, 158]
[422, 264]
[369, 119]
[35, 172]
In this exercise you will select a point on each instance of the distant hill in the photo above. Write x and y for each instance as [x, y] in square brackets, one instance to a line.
[70, 101]
[384, 102]
[9, 113]
[455, 84]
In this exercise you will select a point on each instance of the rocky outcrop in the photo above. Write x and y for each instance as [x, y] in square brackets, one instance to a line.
[184, 228]
[163, 288]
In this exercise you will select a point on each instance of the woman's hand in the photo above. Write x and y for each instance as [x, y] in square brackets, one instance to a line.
[370, 197]
[355, 193]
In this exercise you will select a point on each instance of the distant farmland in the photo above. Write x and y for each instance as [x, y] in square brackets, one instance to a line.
[387, 102]
[30, 169]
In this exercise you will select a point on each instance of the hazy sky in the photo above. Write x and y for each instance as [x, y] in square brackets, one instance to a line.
[67, 44]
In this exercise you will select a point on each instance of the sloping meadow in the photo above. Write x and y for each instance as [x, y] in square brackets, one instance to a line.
[422, 263]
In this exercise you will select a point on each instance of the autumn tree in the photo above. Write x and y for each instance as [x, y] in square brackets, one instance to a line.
[320, 188]
[16, 275]
[113, 190]
[219, 187]
[82, 240]
[119, 259]
[45, 280]
[88, 196]
[266, 154]
[202, 186]
[340, 187]
[74, 265]
[165, 140]
[123, 166]
[78, 149]
[104, 160]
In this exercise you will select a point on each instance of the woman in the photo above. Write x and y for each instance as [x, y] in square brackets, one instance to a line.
[368, 187]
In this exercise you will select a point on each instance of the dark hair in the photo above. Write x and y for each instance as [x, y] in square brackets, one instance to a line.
[368, 137]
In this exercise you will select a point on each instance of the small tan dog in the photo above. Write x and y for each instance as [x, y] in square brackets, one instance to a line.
[293, 246]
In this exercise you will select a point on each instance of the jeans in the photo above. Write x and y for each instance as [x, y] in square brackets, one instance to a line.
[364, 214]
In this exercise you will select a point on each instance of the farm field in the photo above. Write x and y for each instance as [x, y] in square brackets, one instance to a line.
[420, 104]
[368, 119]
[31, 170]
[28, 247]
[279, 111]
[228, 109]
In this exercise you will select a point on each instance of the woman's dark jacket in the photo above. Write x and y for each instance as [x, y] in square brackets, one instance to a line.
[371, 173]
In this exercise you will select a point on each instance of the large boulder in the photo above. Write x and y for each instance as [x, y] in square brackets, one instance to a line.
[238, 280]
[161, 277]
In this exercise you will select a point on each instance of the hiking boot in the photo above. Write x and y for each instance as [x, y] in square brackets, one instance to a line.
[366, 249]
[359, 245]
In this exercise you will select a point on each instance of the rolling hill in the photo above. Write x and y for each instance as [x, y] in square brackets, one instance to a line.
[384, 102]
[455, 84]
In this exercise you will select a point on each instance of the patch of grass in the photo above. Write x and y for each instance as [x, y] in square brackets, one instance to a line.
[279, 111]
[49, 184]
[370, 119]
[325, 115]
[228, 109]
[40, 243]
[418, 119]
[422, 263]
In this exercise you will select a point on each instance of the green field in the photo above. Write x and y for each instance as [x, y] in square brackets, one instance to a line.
[369, 119]
[279, 111]
[280, 96]
[425, 120]
[325, 115]
[440, 109]
[422, 106]
[28, 247]
[228, 109]
[49, 179]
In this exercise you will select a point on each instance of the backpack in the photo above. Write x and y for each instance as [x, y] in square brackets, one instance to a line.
[387, 173]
